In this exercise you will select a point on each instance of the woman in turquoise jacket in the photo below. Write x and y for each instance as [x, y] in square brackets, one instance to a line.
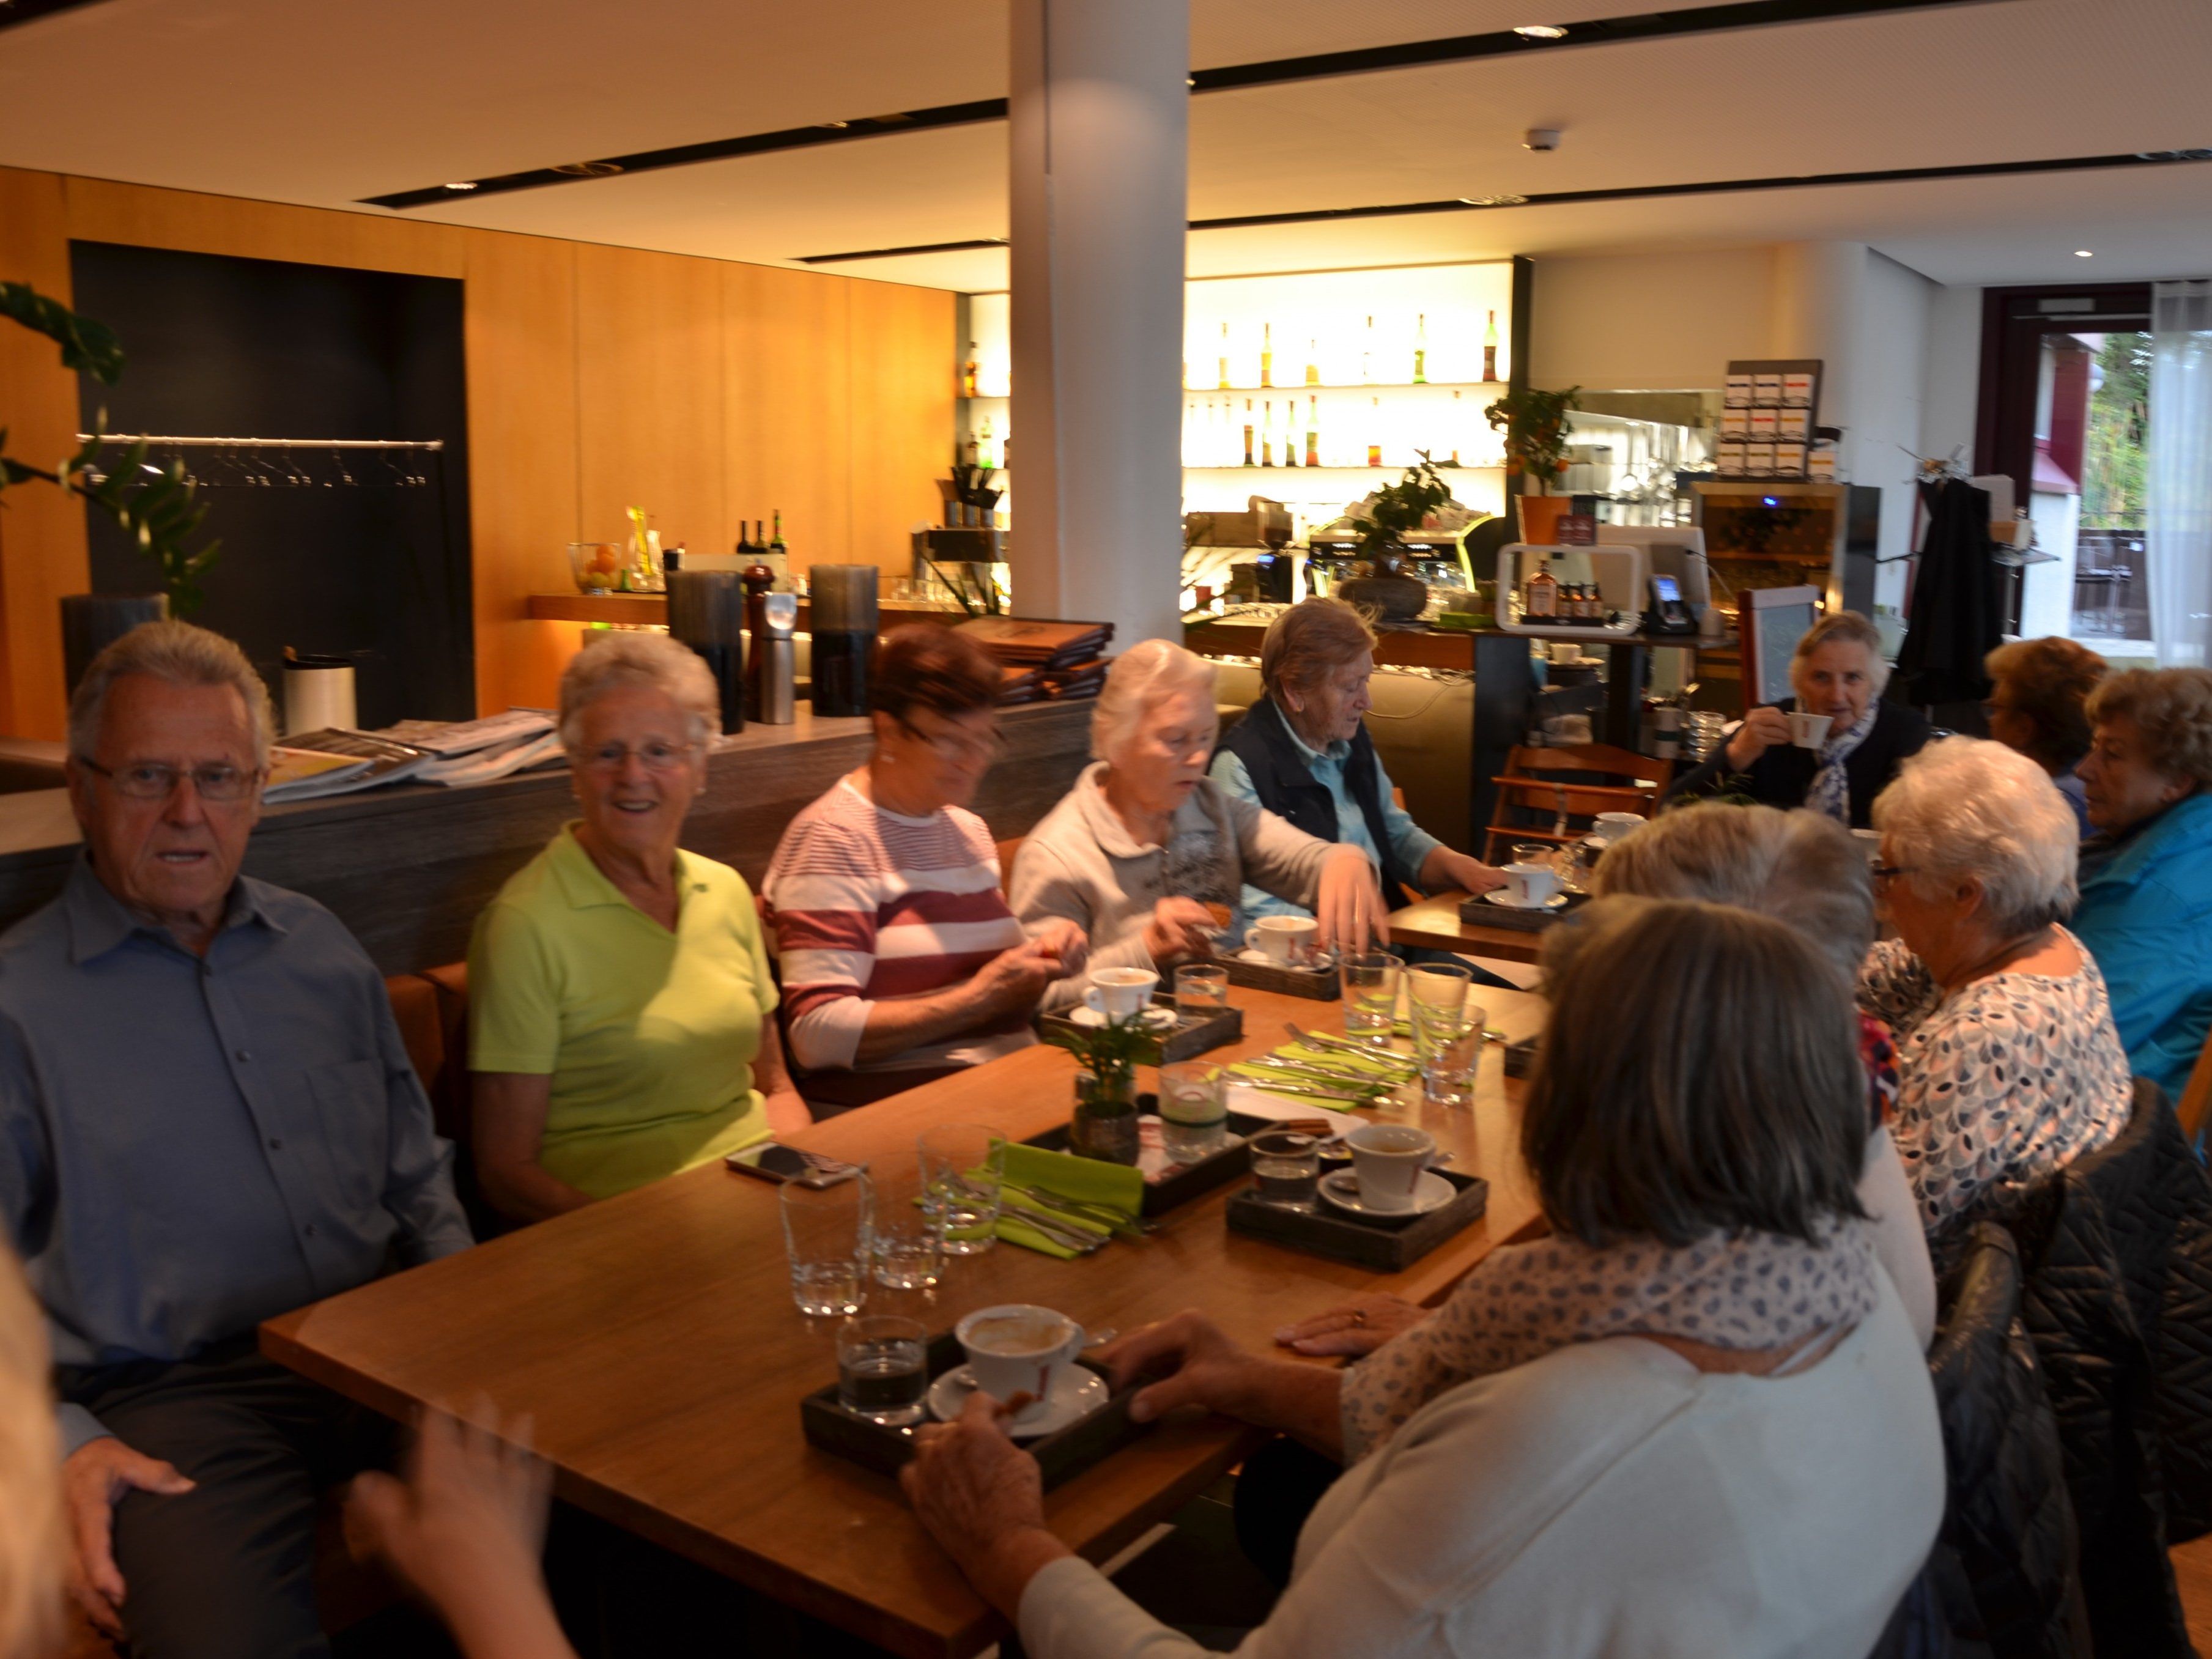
[2146, 877]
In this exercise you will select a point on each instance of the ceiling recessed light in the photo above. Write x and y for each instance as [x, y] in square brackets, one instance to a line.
[462, 184]
[1541, 31]
[2083, 254]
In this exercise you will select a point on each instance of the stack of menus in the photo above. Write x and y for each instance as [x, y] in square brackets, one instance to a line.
[1769, 421]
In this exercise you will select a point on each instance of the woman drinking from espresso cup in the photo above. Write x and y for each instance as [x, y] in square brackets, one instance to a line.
[1581, 1441]
[1833, 746]
[1145, 842]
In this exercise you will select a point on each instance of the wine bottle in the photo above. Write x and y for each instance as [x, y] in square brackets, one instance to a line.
[1268, 434]
[1248, 461]
[1266, 354]
[745, 550]
[1224, 386]
[1313, 430]
[1421, 348]
[968, 372]
[776, 543]
[1290, 432]
[1374, 433]
[1313, 362]
[1456, 419]
[1490, 348]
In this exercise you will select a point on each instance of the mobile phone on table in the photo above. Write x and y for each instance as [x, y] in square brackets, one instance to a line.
[771, 1160]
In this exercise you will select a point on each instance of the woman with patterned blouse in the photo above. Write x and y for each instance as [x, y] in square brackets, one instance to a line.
[2010, 1063]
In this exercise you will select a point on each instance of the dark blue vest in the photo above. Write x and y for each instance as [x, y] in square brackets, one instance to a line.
[1287, 787]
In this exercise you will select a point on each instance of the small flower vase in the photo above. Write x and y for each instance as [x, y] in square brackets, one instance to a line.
[1104, 1127]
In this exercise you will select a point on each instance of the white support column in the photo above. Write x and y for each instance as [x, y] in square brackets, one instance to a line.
[1099, 157]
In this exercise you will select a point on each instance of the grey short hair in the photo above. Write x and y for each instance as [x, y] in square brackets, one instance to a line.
[177, 654]
[1853, 630]
[1967, 808]
[1799, 867]
[1147, 671]
[654, 661]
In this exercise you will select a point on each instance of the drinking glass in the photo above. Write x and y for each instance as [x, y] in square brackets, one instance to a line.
[1193, 1110]
[962, 1167]
[1536, 852]
[1201, 990]
[1371, 996]
[825, 1235]
[1285, 1167]
[904, 1238]
[1448, 1044]
[1437, 985]
[882, 1370]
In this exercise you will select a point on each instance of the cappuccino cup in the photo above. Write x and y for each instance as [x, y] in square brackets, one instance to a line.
[1530, 884]
[1610, 827]
[1808, 731]
[1018, 1347]
[1386, 1160]
[1120, 993]
[1286, 939]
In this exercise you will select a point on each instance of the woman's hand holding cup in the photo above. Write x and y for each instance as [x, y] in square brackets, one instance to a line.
[1762, 729]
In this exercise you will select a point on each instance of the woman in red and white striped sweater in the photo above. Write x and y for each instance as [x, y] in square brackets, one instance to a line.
[899, 958]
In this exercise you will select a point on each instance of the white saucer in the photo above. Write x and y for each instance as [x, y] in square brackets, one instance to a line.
[1496, 895]
[1077, 1392]
[1431, 1192]
[1157, 1018]
[1322, 961]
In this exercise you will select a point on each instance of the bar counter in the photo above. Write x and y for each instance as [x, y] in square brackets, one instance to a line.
[408, 867]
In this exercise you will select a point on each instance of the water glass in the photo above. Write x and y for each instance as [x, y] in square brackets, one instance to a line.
[1201, 990]
[962, 1167]
[1193, 1110]
[907, 1251]
[825, 1236]
[882, 1370]
[1371, 996]
[1536, 852]
[1448, 1044]
[1437, 985]
[1285, 1167]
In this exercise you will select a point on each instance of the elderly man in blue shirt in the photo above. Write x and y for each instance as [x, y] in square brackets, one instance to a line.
[207, 1117]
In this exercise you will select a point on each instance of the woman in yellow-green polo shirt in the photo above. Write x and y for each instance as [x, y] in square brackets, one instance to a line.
[621, 1014]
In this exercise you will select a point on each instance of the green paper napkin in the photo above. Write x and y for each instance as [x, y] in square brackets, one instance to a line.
[1115, 1186]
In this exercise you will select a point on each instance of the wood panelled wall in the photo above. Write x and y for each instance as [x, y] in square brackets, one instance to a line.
[703, 391]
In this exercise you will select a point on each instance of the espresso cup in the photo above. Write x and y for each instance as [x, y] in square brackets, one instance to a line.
[1530, 884]
[1286, 939]
[1808, 731]
[1386, 1160]
[1119, 994]
[1018, 1347]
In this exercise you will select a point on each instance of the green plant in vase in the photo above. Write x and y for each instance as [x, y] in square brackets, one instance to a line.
[1534, 424]
[1105, 1122]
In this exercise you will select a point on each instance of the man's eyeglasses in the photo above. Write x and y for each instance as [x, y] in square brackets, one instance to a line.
[955, 745]
[653, 754]
[155, 780]
[1888, 873]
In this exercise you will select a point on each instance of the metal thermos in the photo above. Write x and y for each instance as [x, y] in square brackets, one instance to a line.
[707, 612]
[775, 666]
[843, 598]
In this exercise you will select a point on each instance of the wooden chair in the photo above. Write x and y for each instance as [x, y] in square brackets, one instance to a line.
[1539, 787]
[1006, 851]
[2196, 1095]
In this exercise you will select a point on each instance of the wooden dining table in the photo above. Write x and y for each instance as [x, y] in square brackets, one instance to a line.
[653, 1341]
[1434, 924]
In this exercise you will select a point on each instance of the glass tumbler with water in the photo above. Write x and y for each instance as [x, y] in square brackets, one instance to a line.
[1448, 1044]
[825, 1236]
[1371, 996]
[1193, 1110]
[904, 1242]
[883, 1370]
[962, 1167]
[1201, 990]
[1285, 1167]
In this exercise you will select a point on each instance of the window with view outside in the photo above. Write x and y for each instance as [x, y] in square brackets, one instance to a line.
[2091, 431]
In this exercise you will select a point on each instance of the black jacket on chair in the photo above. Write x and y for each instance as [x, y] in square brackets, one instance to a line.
[1782, 775]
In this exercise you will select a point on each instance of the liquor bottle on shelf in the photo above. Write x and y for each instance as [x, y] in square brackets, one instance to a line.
[1457, 415]
[1375, 432]
[1313, 430]
[1290, 432]
[1421, 348]
[1266, 354]
[1224, 386]
[1268, 434]
[1490, 348]
[779, 553]
[1248, 461]
[745, 550]
[1313, 362]
[987, 450]
[1540, 595]
[968, 372]
[1367, 356]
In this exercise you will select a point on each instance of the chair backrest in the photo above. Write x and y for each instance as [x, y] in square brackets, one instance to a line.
[2196, 1095]
[1576, 781]
[414, 1010]
[1006, 851]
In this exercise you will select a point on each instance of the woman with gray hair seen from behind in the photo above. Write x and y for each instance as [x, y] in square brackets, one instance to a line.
[1837, 671]
[2010, 1064]
[620, 1011]
[1145, 842]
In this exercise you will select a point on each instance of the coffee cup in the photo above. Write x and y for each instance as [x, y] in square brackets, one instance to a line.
[1119, 994]
[1386, 1160]
[1286, 939]
[1530, 884]
[1018, 1347]
[1610, 827]
[1808, 731]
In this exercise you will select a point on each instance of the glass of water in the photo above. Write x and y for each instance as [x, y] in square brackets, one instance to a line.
[1285, 1167]
[1437, 985]
[1201, 990]
[1448, 1044]
[1193, 1110]
[825, 1235]
[883, 1368]
[1371, 996]
[904, 1243]
[962, 1167]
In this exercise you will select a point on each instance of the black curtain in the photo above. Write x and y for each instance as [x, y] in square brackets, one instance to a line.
[1958, 608]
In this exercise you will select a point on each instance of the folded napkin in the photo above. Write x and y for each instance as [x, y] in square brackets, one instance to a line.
[1101, 1189]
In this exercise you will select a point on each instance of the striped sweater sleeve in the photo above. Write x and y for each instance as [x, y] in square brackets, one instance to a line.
[823, 898]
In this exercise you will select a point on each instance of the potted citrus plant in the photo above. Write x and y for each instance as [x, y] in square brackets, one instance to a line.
[1535, 427]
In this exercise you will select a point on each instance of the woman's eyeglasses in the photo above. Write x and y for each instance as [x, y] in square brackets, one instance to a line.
[653, 755]
[155, 780]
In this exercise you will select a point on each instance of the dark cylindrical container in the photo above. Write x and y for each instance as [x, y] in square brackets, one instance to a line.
[93, 622]
[843, 609]
[707, 612]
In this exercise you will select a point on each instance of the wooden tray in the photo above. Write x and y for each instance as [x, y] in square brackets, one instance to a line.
[1191, 1037]
[1520, 1057]
[1064, 1453]
[1191, 1180]
[1483, 914]
[1381, 1247]
[1319, 983]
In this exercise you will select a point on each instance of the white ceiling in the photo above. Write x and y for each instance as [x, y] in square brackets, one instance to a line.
[326, 105]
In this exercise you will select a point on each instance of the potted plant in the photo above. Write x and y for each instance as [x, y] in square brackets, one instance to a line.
[1105, 1122]
[1381, 520]
[1535, 427]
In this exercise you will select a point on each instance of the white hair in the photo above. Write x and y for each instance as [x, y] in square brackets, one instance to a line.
[1967, 809]
[1847, 627]
[1147, 671]
[654, 661]
[176, 653]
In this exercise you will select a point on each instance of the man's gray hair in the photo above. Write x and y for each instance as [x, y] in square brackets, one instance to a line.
[1967, 809]
[177, 654]
[654, 661]
[1146, 671]
[1797, 866]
